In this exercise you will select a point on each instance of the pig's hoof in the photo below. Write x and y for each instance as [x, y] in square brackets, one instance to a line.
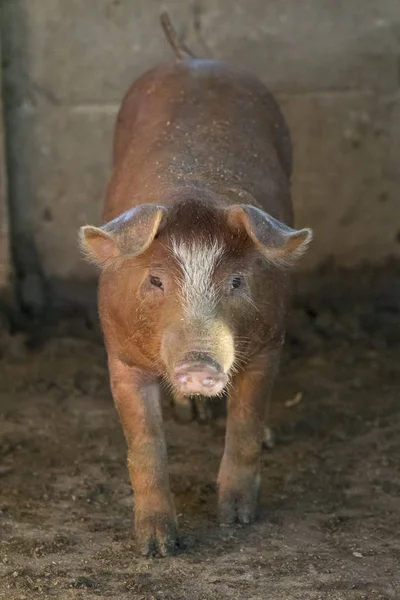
[156, 535]
[237, 506]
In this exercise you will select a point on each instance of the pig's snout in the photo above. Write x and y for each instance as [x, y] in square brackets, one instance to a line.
[198, 358]
[204, 377]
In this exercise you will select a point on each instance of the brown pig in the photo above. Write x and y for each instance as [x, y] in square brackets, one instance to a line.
[194, 260]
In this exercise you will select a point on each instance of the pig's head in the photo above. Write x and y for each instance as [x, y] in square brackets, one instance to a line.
[192, 291]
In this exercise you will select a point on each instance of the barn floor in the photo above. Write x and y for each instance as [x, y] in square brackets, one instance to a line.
[330, 503]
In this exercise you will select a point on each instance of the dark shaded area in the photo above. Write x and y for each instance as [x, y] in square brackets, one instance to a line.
[330, 500]
[30, 283]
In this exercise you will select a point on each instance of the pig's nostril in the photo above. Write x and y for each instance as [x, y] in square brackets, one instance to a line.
[199, 378]
[209, 382]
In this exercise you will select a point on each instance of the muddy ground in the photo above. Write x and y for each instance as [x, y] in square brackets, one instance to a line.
[330, 501]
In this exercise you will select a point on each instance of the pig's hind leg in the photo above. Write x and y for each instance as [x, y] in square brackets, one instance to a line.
[239, 475]
[138, 403]
[269, 438]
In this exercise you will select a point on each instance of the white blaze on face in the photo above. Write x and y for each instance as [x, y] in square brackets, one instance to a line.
[200, 295]
[198, 261]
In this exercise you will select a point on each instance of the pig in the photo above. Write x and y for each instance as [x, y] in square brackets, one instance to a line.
[195, 256]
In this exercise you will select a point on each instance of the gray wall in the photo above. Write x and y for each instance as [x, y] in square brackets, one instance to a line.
[5, 258]
[334, 65]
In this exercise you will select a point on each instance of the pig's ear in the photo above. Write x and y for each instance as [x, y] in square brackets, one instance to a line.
[97, 245]
[279, 243]
[130, 234]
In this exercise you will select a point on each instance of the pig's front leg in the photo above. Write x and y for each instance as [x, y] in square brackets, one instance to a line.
[137, 399]
[239, 475]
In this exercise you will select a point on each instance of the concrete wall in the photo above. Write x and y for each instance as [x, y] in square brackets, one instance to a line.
[334, 65]
[5, 242]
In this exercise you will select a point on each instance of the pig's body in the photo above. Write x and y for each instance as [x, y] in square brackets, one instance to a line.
[194, 284]
[200, 123]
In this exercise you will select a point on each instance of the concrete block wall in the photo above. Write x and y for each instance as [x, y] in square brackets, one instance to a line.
[334, 66]
[5, 242]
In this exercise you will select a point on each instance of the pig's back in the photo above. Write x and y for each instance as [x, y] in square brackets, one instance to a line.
[205, 123]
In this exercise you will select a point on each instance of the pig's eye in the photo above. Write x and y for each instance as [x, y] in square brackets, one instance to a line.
[156, 282]
[236, 282]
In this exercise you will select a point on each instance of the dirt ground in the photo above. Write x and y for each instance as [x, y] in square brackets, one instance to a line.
[330, 500]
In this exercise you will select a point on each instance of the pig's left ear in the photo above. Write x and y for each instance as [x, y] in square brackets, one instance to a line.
[130, 234]
[279, 243]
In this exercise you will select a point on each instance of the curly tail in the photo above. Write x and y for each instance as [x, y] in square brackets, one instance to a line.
[178, 47]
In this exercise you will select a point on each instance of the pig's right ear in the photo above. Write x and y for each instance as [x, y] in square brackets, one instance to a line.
[130, 234]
